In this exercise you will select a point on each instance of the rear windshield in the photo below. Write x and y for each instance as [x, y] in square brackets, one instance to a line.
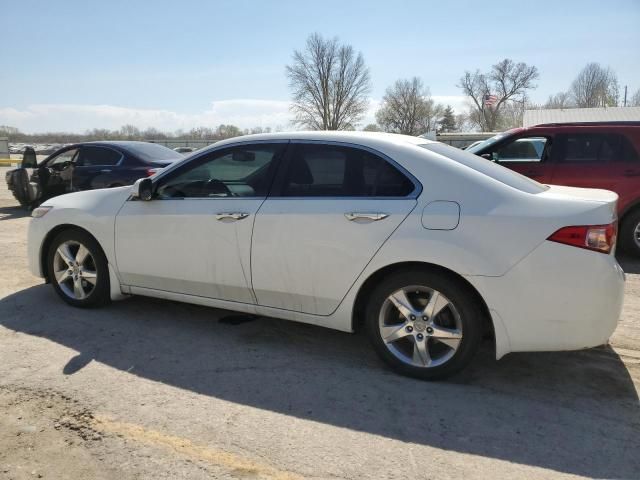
[150, 152]
[489, 168]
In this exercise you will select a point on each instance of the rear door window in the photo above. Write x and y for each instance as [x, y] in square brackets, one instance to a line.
[593, 148]
[320, 170]
[98, 157]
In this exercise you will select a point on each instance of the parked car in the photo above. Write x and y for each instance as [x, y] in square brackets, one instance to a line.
[596, 155]
[423, 245]
[85, 166]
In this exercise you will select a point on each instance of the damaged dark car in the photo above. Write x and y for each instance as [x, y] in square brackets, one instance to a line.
[86, 166]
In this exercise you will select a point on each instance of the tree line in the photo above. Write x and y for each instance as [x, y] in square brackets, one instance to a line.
[330, 84]
[130, 132]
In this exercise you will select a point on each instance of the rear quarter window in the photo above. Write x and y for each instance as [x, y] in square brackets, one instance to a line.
[487, 167]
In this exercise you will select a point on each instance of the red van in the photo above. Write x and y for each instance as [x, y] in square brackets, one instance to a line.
[595, 155]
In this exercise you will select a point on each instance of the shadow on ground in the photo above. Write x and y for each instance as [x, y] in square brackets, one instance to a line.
[580, 408]
[10, 213]
[628, 263]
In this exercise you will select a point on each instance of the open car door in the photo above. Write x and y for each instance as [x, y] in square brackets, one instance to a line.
[26, 192]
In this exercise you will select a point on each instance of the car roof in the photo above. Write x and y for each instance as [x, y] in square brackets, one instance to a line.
[361, 138]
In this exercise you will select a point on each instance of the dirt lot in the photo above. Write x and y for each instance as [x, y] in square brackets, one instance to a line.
[155, 389]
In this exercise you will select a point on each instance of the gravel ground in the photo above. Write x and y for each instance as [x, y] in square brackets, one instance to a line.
[154, 389]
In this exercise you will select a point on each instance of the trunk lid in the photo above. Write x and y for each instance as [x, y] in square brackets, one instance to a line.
[589, 194]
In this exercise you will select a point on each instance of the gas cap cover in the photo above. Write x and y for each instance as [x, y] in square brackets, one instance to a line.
[441, 215]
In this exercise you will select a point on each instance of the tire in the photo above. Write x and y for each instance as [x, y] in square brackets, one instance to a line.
[630, 233]
[82, 280]
[457, 316]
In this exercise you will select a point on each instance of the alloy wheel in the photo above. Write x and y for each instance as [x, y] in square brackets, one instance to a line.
[75, 270]
[420, 326]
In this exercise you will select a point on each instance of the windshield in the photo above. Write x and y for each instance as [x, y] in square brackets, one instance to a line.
[491, 169]
[151, 152]
[486, 143]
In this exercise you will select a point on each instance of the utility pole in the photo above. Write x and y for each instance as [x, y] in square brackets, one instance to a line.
[625, 96]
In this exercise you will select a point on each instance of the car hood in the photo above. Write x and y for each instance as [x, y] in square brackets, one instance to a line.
[104, 201]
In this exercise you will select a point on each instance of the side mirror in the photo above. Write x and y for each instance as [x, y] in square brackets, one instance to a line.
[142, 189]
[29, 158]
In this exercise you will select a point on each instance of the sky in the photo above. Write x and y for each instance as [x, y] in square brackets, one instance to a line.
[76, 65]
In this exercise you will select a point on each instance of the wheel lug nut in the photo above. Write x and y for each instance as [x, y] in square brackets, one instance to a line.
[409, 329]
[425, 318]
[412, 317]
[429, 330]
[420, 336]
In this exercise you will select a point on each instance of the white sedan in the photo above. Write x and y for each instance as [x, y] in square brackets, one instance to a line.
[425, 246]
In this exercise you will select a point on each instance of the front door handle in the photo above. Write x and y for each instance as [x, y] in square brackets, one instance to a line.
[105, 170]
[373, 216]
[631, 173]
[532, 174]
[233, 216]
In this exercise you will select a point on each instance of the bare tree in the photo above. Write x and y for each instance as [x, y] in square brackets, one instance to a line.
[559, 100]
[408, 108]
[513, 113]
[595, 86]
[635, 99]
[507, 80]
[372, 127]
[330, 84]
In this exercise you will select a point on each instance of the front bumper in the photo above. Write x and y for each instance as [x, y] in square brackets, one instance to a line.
[35, 237]
[557, 298]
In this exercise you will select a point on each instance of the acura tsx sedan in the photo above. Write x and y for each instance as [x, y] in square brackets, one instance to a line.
[424, 246]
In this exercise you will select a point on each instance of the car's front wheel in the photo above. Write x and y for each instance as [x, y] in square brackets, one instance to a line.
[424, 324]
[78, 269]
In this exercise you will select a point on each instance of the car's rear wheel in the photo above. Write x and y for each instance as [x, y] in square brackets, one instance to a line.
[424, 324]
[78, 269]
[630, 233]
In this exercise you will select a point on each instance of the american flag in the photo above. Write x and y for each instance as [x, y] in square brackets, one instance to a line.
[490, 100]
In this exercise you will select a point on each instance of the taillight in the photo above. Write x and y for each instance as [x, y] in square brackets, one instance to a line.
[152, 171]
[600, 238]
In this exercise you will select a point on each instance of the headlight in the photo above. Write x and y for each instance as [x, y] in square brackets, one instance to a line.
[40, 212]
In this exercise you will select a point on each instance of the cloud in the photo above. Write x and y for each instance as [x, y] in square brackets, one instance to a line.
[244, 113]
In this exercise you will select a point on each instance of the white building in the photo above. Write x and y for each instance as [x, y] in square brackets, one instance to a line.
[563, 115]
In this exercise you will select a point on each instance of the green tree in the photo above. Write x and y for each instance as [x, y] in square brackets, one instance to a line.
[448, 121]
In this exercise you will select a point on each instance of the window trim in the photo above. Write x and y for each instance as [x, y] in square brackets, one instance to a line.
[117, 164]
[177, 168]
[278, 183]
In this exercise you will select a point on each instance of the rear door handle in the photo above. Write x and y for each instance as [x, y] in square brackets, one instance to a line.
[233, 216]
[373, 216]
[106, 170]
[631, 173]
[532, 174]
